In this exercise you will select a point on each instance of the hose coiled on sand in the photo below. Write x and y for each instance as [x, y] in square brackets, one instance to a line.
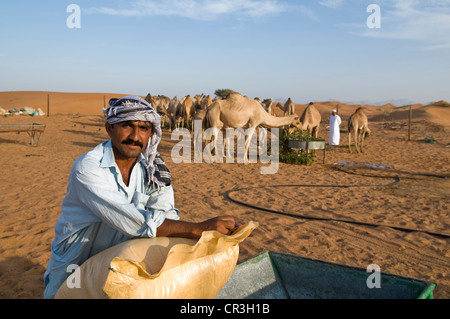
[396, 181]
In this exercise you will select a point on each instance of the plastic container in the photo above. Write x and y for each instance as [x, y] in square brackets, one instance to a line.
[275, 275]
[307, 145]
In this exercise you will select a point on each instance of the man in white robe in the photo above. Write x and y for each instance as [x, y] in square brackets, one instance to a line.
[335, 121]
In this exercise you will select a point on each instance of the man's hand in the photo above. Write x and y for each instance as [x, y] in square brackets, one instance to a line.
[175, 228]
[223, 224]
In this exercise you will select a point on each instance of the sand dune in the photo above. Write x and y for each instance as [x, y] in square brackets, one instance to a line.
[60, 103]
[34, 181]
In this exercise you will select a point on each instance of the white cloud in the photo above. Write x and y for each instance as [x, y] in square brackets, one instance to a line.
[334, 4]
[425, 21]
[198, 9]
[437, 47]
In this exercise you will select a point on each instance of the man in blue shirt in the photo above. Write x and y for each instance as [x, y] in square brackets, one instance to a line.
[118, 191]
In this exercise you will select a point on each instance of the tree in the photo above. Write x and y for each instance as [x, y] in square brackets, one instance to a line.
[223, 93]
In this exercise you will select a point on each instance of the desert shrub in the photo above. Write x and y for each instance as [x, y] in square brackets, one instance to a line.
[223, 93]
[293, 156]
[301, 135]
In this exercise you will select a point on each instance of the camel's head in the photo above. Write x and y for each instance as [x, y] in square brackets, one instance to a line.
[295, 121]
[161, 110]
[368, 132]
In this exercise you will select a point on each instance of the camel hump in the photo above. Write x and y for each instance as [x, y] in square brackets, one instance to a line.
[309, 113]
[234, 97]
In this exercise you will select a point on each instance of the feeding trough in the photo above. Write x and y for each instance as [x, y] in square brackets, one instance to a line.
[30, 128]
[274, 275]
[307, 144]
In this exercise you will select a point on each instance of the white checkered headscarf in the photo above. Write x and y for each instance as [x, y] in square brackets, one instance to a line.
[134, 108]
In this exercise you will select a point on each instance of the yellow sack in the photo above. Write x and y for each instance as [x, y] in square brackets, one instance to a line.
[161, 267]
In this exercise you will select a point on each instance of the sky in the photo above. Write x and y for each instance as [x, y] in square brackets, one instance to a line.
[313, 50]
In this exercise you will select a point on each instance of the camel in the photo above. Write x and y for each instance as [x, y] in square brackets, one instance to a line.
[237, 112]
[199, 115]
[206, 102]
[172, 111]
[358, 126]
[160, 101]
[196, 103]
[176, 107]
[310, 120]
[159, 106]
[267, 104]
[201, 108]
[149, 98]
[186, 110]
[288, 108]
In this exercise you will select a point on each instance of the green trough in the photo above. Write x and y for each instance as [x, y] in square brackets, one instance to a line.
[275, 275]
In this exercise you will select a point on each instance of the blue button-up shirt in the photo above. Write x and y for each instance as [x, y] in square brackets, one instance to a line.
[100, 211]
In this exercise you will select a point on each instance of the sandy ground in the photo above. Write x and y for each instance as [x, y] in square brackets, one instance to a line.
[34, 179]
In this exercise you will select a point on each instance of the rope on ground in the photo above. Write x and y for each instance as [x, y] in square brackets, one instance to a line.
[396, 181]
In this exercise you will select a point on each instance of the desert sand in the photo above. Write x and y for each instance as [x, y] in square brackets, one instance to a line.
[34, 179]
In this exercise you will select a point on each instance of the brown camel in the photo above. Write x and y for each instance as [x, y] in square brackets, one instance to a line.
[288, 108]
[184, 110]
[201, 108]
[179, 114]
[206, 102]
[358, 126]
[160, 106]
[187, 108]
[196, 103]
[159, 101]
[237, 112]
[267, 104]
[172, 111]
[162, 100]
[310, 120]
[199, 115]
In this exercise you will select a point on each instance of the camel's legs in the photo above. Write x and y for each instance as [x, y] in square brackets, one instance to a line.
[174, 122]
[213, 135]
[356, 133]
[350, 140]
[198, 138]
[229, 143]
[262, 135]
[248, 140]
[363, 134]
[214, 138]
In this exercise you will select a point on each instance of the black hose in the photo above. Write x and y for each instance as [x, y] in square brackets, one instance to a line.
[397, 181]
[337, 167]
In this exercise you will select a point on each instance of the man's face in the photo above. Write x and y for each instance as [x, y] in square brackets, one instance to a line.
[129, 138]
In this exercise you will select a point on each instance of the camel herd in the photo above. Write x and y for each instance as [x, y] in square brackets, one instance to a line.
[237, 111]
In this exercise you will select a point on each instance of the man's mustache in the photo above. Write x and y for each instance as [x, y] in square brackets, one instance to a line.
[132, 142]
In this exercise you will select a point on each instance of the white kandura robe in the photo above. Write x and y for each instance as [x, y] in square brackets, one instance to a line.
[335, 121]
